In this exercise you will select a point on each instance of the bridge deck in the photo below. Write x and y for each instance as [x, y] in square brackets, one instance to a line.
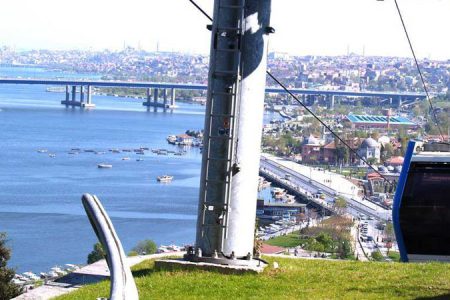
[129, 84]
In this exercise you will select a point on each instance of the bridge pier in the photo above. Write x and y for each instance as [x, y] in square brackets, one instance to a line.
[165, 99]
[71, 97]
[172, 98]
[331, 101]
[81, 95]
[399, 101]
[157, 94]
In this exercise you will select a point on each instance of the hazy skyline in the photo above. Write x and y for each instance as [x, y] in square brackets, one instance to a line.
[303, 27]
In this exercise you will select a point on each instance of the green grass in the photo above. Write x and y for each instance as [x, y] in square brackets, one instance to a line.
[288, 241]
[395, 256]
[294, 279]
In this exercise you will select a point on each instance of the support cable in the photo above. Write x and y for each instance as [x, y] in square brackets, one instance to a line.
[419, 70]
[309, 110]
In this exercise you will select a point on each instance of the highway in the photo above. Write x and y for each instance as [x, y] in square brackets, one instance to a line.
[190, 86]
[308, 181]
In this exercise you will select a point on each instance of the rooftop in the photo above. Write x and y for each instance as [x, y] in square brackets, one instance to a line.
[394, 120]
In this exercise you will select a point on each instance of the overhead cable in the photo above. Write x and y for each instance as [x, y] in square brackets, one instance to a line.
[309, 110]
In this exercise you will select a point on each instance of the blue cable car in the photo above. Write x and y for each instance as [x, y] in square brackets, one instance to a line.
[421, 210]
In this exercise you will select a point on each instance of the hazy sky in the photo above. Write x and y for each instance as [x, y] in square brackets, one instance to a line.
[319, 27]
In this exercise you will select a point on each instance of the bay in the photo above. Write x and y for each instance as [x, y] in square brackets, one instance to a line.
[40, 207]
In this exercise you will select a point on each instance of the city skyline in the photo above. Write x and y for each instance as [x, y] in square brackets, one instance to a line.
[322, 27]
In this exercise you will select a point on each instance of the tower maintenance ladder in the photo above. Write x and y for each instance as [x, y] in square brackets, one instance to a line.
[221, 126]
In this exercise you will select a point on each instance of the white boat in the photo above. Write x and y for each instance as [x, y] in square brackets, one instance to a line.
[58, 271]
[104, 166]
[31, 276]
[139, 159]
[52, 155]
[164, 178]
[42, 151]
[171, 139]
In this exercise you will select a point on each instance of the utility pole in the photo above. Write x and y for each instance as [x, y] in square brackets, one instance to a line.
[233, 128]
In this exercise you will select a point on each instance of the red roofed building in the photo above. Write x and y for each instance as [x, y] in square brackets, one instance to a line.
[395, 161]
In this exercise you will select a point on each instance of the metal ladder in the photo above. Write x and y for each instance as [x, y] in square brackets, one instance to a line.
[221, 126]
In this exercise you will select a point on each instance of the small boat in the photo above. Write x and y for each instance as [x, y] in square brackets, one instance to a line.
[164, 178]
[89, 150]
[100, 152]
[52, 155]
[74, 152]
[125, 158]
[42, 151]
[58, 271]
[104, 166]
[31, 276]
[139, 159]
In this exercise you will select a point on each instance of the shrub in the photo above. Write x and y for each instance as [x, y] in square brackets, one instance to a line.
[97, 254]
[145, 247]
[8, 290]
[377, 256]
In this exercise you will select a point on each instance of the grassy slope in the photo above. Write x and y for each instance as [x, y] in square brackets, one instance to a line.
[295, 279]
[288, 241]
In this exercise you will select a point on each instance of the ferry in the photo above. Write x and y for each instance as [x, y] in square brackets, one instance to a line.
[104, 166]
[164, 178]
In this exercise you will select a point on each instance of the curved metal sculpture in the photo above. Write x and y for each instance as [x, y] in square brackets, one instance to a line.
[123, 286]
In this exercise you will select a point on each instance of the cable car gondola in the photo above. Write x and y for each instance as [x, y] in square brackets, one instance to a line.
[421, 211]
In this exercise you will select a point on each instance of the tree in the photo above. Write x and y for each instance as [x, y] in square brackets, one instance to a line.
[342, 154]
[145, 247]
[387, 151]
[340, 204]
[8, 290]
[97, 254]
[390, 235]
[372, 160]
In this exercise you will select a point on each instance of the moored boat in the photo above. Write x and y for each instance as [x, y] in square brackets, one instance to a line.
[164, 178]
[104, 166]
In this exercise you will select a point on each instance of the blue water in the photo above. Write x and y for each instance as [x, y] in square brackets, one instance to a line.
[40, 207]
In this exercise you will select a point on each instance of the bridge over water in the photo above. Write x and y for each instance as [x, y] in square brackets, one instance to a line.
[156, 91]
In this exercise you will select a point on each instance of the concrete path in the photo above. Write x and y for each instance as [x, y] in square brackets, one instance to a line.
[87, 275]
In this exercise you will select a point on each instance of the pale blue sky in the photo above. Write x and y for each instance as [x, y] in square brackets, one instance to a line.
[319, 27]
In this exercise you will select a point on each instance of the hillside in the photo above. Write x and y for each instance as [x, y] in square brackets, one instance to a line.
[294, 279]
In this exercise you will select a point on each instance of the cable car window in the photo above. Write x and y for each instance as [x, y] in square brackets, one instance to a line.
[425, 209]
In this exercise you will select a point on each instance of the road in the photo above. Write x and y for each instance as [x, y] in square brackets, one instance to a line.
[308, 181]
